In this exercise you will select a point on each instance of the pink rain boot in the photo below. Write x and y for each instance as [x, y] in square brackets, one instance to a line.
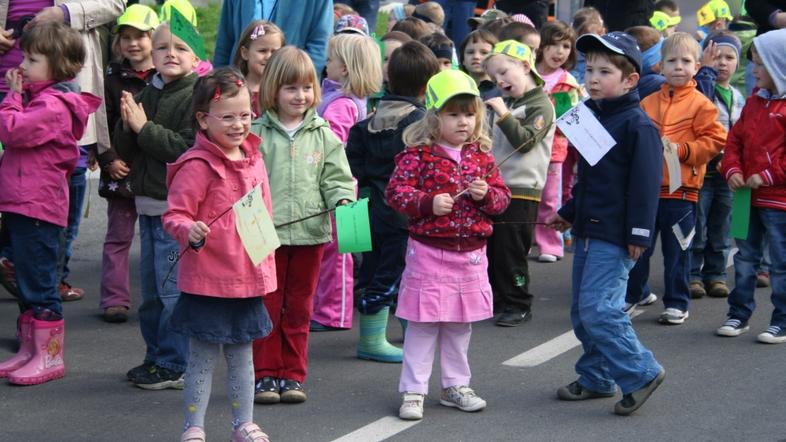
[25, 345]
[46, 363]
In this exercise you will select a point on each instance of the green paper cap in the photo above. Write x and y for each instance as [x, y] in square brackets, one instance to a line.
[182, 28]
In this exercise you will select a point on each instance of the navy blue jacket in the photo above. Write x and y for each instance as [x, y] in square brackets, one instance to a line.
[617, 199]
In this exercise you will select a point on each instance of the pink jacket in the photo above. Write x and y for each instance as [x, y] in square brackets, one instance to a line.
[203, 183]
[40, 140]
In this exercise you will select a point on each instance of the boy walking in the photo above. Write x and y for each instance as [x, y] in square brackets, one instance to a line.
[612, 216]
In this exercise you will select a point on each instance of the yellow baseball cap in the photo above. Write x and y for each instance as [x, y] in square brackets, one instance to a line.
[184, 7]
[713, 10]
[137, 16]
[446, 85]
[519, 51]
[661, 20]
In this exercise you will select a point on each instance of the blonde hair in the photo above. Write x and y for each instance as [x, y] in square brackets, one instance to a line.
[245, 40]
[287, 65]
[681, 40]
[429, 129]
[362, 57]
[117, 54]
[431, 10]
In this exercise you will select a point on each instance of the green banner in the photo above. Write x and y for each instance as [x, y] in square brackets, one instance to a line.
[352, 227]
[741, 213]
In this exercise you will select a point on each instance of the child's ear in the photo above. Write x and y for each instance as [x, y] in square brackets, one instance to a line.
[631, 81]
[244, 53]
[202, 120]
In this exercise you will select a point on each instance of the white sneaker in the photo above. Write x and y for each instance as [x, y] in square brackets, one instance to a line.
[673, 316]
[462, 397]
[650, 299]
[732, 327]
[411, 407]
[629, 308]
[547, 258]
[773, 335]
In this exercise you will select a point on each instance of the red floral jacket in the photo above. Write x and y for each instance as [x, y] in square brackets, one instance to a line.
[425, 171]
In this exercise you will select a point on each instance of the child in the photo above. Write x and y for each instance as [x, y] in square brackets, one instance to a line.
[414, 27]
[432, 13]
[447, 184]
[611, 215]
[257, 44]
[354, 71]
[695, 144]
[442, 47]
[391, 41]
[754, 158]
[221, 303]
[715, 15]
[133, 70]
[665, 18]
[524, 124]
[372, 145]
[556, 57]
[522, 33]
[41, 119]
[308, 174]
[586, 20]
[650, 42]
[473, 51]
[155, 129]
[712, 243]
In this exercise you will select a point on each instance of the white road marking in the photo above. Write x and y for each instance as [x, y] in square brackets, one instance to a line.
[378, 430]
[550, 349]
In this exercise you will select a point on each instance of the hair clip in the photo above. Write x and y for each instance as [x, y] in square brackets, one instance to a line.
[217, 93]
[239, 82]
[259, 31]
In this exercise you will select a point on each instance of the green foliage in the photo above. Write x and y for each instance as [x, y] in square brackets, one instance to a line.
[208, 26]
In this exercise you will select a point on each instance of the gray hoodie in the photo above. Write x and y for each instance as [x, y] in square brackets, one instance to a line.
[770, 47]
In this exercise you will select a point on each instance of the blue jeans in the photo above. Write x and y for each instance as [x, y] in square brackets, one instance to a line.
[712, 242]
[159, 251]
[76, 199]
[769, 224]
[613, 354]
[676, 262]
[34, 245]
[457, 12]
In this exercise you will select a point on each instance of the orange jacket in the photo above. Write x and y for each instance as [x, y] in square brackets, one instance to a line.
[687, 118]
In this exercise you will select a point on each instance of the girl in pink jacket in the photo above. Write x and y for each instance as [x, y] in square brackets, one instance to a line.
[221, 302]
[41, 119]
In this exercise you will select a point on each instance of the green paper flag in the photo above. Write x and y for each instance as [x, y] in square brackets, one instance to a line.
[741, 213]
[184, 30]
[352, 228]
[562, 103]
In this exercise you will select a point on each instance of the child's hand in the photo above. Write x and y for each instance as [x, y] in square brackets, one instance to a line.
[118, 170]
[710, 54]
[92, 161]
[635, 251]
[443, 204]
[498, 105]
[343, 202]
[754, 181]
[132, 113]
[6, 40]
[736, 181]
[198, 232]
[557, 222]
[478, 189]
[13, 80]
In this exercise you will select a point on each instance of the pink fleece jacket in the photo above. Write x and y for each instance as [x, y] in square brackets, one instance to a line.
[202, 184]
[40, 140]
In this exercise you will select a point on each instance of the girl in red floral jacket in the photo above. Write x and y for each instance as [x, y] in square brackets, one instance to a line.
[447, 184]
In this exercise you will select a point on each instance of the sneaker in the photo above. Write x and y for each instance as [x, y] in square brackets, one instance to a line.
[140, 370]
[160, 379]
[575, 392]
[762, 279]
[68, 293]
[462, 397]
[266, 391]
[697, 290]
[629, 308]
[116, 314]
[649, 300]
[292, 391]
[512, 318]
[193, 434]
[718, 289]
[732, 327]
[249, 432]
[673, 316]
[633, 401]
[545, 257]
[411, 407]
[773, 335]
[8, 276]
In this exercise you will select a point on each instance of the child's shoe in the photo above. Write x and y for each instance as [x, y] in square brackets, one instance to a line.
[68, 293]
[26, 347]
[193, 434]
[773, 335]
[46, 363]
[732, 327]
[462, 397]
[648, 300]
[411, 407]
[718, 289]
[673, 316]
[8, 276]
[546, 257]
[140, 370]
[292, 391]
[160, 379]
[266, 391]
[762, 279]
[249, 432]
[575, 392]
[697, 290]
[373, 344]
[633, 401]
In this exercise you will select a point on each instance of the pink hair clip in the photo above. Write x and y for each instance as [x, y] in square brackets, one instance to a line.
[258, 32]
[217, 94]
[239, 82]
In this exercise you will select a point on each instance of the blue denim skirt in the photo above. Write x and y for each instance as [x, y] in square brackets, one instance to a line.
[221, 320]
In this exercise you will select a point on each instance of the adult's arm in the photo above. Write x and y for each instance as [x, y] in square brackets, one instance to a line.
[319, 32]
[225, 38]
[90, 14]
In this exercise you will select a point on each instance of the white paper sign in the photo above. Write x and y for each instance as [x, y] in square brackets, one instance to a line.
[672, 165]
[585, 132]
[254, 226]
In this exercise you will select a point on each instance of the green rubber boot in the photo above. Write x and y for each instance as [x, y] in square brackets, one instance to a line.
[373, 344]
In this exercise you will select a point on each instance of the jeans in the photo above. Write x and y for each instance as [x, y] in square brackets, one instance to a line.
[712, 242]
[385, 264]
[76, 199]
[613, 354]
[457, 12]
[676, 262]
[769, 224]
[159, 252]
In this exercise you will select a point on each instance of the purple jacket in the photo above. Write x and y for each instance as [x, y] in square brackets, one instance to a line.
[340, 110]
[40, 137]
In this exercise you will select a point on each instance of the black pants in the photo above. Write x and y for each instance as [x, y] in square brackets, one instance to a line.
[383, 265]
[507, 251]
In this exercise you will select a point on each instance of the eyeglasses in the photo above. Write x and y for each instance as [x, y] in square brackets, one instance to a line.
[229, 119]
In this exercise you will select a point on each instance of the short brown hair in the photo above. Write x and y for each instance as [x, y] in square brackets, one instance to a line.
[494, 26]
[646, 36]
[226, 81]
[410, 68]
[287, 65]
[588, 20]
[516, 31]
[396, 36]
[621, 62]
[61, 45]
[476, 36]
[553, 32]
[431, 10]
[414, 27]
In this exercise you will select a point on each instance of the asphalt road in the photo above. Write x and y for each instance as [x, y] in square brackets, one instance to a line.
[716, 389]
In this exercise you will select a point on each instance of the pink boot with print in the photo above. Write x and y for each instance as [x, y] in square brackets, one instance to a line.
[46, 362]
[25, 346]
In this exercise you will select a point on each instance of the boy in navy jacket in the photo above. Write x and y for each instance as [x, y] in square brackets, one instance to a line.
[612, 215]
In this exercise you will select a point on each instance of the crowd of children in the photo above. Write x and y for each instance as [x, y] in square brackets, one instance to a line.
[457, 148]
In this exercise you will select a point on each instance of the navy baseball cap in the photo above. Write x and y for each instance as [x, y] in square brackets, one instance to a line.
[615, 42]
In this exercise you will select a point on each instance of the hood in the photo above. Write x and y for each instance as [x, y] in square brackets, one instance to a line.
[770, 48]
[390, 112]
[81, 104]
[214, 156]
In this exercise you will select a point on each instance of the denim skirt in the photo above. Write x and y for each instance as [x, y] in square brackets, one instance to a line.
[221, 320]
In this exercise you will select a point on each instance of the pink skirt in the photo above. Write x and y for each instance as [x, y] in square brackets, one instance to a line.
[444, 286]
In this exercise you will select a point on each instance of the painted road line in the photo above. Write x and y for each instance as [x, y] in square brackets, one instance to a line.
[378, 430]
[550, 350]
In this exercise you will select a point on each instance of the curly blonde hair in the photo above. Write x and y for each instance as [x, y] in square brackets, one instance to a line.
[429, 129]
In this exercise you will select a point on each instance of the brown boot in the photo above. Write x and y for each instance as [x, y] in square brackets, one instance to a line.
[697, 290]
[718, 289]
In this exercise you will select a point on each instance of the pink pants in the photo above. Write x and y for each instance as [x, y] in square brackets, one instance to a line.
[333, 303]
[419, 345]
[569, 173]
[549, 240]
[121, 219]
